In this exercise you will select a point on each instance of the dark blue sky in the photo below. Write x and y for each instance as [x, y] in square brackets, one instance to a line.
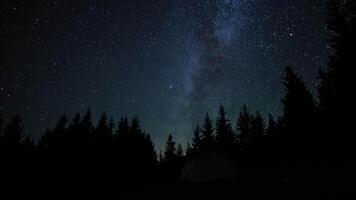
[167, 62]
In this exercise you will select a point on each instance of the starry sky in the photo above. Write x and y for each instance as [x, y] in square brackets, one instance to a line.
[168, 62]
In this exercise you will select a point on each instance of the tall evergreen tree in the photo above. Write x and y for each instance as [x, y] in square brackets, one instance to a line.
[257, 138]
[197, 140]
[14, 139]
[189, 151]
[111, 125]
[151, 154]
[135, 127]
[86, 127]
[336, 83]
[180, 152]
[14, 135]
[243, 126]
[55, 139]
[224, 133]
[123, 128]
[299, 135]
[257, 126]
[207, 139]
[170, 151]
[73, 127]
[85, 134]
[299, 105]
[103, 132]
[335, 86]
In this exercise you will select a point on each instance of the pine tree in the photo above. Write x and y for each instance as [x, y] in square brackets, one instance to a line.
[224, 133]
[74, 125]
[257, 126]
[103, 132]
[111, 126]
[299, 105]
[170, 151]
[333, 91]
[121, 139]
[299, 135]
[335, 84]
[180, 152]
[103, 135]
[256, 142]
[14, 140]
[135, 126]
[86, 127]
[243, 126]
[148, 151]
[85, 134]
[55, 139]
[123, 127]
[14, 132]
[196, 140]
[189, 151]
[207, 139]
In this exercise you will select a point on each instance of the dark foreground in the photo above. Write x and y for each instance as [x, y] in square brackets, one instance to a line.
[298, 182]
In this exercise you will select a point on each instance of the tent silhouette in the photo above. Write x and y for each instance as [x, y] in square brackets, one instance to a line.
[208, 167]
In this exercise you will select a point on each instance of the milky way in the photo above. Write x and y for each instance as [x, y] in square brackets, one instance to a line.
[167, 62]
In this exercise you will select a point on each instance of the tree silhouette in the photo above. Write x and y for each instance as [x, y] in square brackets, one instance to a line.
[53, 140]
[103, 133]
[180, 152]
[170, 150]
[14, 141]
[189, 150]
[298, 117]
[73, 129]
[14, 132]
[243, 126]
[135, 151]
[224, 132]
[197, 140]
[257, 126]
[207, 139]
[299, 105]
[123, 128]
[86, 128]
[256, 143]
[335, 81]
[173, 160]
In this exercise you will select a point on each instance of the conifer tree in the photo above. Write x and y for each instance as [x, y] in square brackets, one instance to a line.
[196, 140]
[207, 139]
[170, 151]
[224, 133]
[243, 126]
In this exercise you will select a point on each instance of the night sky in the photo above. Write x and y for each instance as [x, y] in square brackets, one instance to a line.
[166, 62]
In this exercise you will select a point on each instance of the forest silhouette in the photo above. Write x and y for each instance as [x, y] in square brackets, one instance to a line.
[311, 145]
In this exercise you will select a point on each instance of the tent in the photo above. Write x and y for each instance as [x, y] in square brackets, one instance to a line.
[208, 167]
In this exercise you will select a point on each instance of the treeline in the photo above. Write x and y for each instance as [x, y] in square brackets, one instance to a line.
[313, 131]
